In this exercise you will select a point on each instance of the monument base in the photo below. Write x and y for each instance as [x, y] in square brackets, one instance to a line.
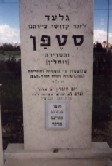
[99, 155]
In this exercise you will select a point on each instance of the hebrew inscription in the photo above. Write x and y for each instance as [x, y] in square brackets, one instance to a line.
[57, 115]
[42, 43]
[41, 40]
[57, 62]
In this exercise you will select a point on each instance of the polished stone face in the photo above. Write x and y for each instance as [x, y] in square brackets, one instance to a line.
[56, 44]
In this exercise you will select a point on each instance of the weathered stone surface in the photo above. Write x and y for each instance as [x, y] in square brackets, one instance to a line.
[56, 44]
[97, 155]
[98, 150]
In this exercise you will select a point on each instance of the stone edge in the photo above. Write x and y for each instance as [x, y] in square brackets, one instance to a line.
[97, 151]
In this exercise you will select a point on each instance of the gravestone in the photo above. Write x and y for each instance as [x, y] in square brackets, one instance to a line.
[57, 46]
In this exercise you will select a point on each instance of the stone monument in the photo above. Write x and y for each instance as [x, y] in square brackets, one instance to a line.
[57, 60]
[57, 46]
